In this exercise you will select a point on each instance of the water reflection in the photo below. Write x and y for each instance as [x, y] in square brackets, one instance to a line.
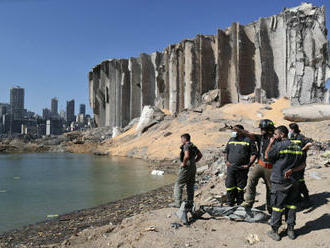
[58, 183]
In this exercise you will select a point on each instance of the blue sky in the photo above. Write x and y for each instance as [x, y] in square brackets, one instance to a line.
[48, 46]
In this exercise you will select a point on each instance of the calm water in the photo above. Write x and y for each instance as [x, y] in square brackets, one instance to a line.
[33, 186]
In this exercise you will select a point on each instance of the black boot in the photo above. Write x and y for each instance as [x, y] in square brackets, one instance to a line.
[270, 210]
[290, 232]
[274, 234]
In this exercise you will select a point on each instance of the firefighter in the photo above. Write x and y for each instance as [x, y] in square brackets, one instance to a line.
[263, 168]
[297, 138]
[288, 160]
[240, 155]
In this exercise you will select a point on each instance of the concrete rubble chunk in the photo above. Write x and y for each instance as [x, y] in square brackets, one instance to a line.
[150, 115]
[211, 96]
[285, 55]
[312, 112]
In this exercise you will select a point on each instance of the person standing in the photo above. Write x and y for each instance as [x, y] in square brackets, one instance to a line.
[297, 138]
[288, 160]
[240, 155]
[263, 168]
[189, 156]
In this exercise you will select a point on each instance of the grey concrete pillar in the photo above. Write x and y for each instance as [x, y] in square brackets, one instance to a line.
[134, 67]
[148, 80]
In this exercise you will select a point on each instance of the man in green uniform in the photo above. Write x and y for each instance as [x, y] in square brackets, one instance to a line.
[263, 168]
[296, 137]
[189, 156]
[288, 160]
[240, 155]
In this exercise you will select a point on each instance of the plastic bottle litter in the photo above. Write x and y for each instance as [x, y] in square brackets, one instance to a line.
[157, 173]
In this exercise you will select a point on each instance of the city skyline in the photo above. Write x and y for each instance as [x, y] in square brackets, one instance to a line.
[16, 119]
[60, 106]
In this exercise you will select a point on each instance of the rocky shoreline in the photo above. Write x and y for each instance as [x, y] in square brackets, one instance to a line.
[54, 232]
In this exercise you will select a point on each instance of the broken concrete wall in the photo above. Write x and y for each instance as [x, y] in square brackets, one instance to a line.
[134, 67]
[285, 55]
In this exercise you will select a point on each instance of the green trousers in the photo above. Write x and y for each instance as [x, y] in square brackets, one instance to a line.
[255, 174]
[186, 177]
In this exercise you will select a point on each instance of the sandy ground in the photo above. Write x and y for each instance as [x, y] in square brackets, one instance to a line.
[154, 228]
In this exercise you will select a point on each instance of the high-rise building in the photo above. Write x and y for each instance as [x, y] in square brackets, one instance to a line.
[17, 102]
[70, 117]
[54, 106]
[63, 114]
[46, 114]
[4, 109]
[82, 109]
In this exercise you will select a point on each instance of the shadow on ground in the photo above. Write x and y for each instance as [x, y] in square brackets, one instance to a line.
[320, 223]
[318, 200]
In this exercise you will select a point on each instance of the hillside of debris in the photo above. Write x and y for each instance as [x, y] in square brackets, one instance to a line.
[159, 140]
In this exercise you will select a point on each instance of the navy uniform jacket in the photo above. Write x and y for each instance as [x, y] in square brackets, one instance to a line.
[301, 141]
[239, 151]
[285, 155]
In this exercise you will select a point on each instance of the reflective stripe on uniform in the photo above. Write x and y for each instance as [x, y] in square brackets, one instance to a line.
[239, 143]
[291, 152]
[295, 141]
[278, 209]
[291, 206]
[294, 147]
[232, 188]
[239, 188]
[301, 180]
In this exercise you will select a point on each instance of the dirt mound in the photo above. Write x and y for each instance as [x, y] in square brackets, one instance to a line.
[162, 141]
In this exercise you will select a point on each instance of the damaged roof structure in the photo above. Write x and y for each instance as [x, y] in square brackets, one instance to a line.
[285, 55]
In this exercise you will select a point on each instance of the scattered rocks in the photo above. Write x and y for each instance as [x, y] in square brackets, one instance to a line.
[252, 239]
[167, 134]
[326, 154]
[97, 134]
[211, 96]
[315, 175]
[176, 225]
[151, 229]
[101, 153]
[198, 110]
[202, 169]
[267, 107]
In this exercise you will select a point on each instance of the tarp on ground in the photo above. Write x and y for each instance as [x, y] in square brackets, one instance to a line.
[237, 213]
